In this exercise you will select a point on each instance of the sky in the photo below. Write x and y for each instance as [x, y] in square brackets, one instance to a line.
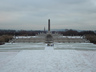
[34, 14]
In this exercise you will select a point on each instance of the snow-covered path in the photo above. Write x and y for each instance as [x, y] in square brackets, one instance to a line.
[48, 61]
[49, 48]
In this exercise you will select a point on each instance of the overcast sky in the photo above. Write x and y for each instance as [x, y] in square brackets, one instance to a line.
[34, 14]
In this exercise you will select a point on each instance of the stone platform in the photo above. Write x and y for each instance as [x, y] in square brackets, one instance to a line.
[58, 58]
[48, 61]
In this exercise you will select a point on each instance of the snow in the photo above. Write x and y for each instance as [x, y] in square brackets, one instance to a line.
[55, 58]
[75, 46]
[24, 37]
[49, 48]
[72, 36]
[22, 46]
[91, 57]
[5, 57]
[36, 36]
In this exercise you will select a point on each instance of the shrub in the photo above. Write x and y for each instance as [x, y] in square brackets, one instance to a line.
[91, 38]
[2, 39]
[5, 38]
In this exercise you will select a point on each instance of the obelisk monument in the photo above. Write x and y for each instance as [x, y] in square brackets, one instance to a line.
[48, 25]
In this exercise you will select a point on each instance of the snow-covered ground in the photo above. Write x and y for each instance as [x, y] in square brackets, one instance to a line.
[72, 36]
[36, 36]
[22, 46]
[75, 46]
[37, 57]
[24, 37]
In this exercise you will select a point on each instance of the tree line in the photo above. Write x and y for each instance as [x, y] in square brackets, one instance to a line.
[76, 33]
[33, 33]
[19, 32]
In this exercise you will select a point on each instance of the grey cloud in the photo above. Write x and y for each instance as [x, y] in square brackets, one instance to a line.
[61, 12]
[71, 2]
